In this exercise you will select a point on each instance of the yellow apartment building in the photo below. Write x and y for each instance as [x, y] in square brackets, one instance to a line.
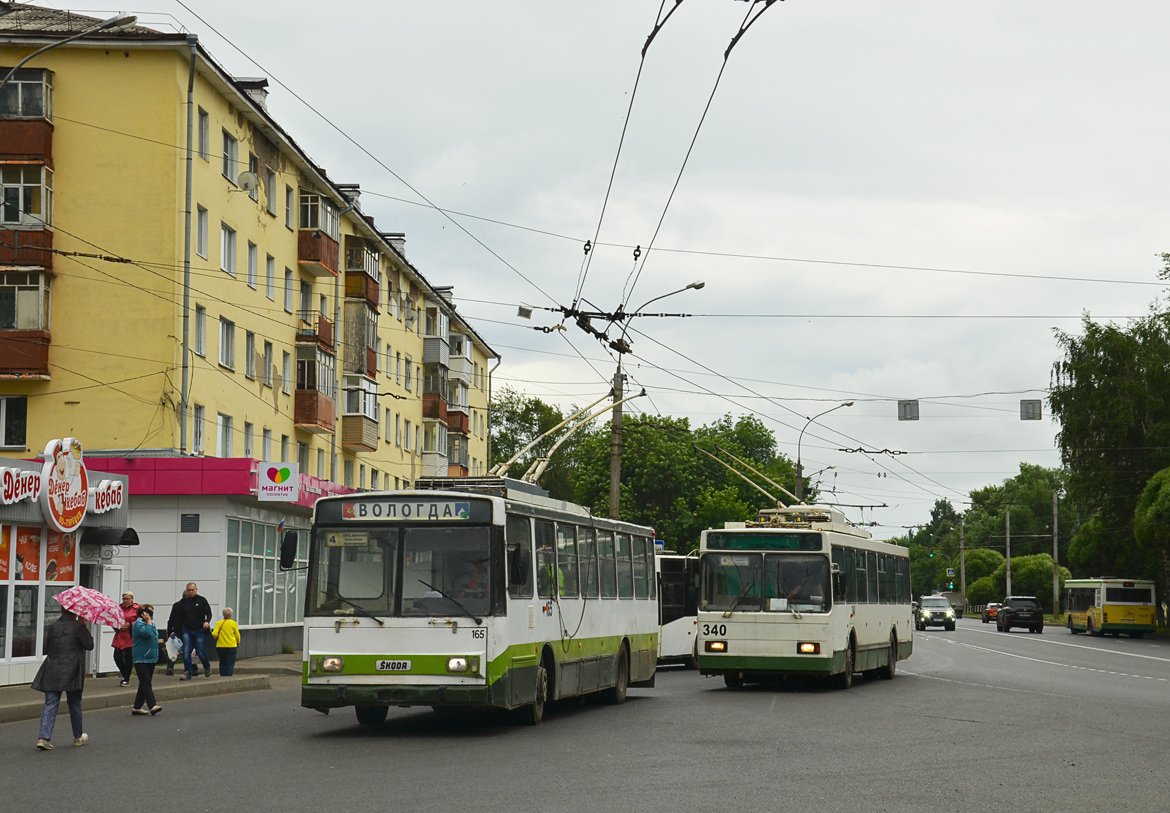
[179, 281]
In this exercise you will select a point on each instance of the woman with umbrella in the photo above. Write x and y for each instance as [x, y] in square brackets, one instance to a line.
[63, 670]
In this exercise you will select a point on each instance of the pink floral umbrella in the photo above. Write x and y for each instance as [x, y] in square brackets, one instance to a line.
[92, 605]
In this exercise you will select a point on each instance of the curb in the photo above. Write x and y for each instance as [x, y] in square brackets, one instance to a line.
[124, 698]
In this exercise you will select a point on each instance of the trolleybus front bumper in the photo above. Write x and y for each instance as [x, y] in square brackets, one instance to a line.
[331, 696]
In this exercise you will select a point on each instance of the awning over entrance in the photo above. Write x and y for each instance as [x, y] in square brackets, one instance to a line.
[109, 536]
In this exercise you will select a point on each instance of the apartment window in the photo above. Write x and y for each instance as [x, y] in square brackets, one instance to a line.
[253, 264]
[303, 456]
[375, 479]
[24, 300]
[201, 330]
[250, 354]
[254, 168]
[270, 190]
[321, 464]
[306, 299]
[397, 429]
[417, 440]
[201, 231]
[389, 359]
[227, 248]
[397, 368]
[288, 290]
[349, 473]
[409, 373]
[249, 431]
[315, 370]
[28, 94]
[324, 305]
[288, 206]
[231, 149]
[389, 423]
[266, 444]
[26, 192]
[224, 427]
[204, 135]
[13, 421]
[286, 373]
[284, 448]
[434, 437]
[268, 364]
[197, 434]
[227, 343]
[361, 397]
[270, 277]
[318, 212]
[406, 436]
[361, 476]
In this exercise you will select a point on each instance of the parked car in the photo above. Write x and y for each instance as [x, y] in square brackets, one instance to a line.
[1020, 611]
[989, 612]
[935, 611]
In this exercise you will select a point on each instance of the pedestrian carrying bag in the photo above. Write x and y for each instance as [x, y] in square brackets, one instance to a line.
[174, 649]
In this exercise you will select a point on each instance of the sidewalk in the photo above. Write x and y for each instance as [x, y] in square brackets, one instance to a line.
[22, 703]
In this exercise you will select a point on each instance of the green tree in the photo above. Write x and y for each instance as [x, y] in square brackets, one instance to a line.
[1152, 524]
[980, 562]
[516, 420]
[983, 591]
[1031, 576]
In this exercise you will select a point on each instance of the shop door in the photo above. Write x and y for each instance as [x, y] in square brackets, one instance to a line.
[111, 585]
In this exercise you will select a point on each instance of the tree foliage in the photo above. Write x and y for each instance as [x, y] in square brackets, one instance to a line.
[1031, 576]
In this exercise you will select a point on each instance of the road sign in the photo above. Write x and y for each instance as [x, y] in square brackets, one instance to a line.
[950, 573]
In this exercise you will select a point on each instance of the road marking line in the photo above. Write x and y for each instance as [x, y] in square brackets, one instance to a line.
[1043, 640]
[1047, 663]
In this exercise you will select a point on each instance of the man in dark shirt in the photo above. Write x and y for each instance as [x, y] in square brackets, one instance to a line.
[194, 619]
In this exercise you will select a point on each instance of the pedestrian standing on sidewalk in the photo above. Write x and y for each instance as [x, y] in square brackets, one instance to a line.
[195, 620]
[146, 643]
[124, 639]
[227, 641]
[174, 630]
[63, 670]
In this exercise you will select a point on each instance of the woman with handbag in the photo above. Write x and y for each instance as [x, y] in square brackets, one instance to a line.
[63, 671]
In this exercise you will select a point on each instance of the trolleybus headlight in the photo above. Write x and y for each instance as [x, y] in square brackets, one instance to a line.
[457, 664]
[332, 664]
[716, 646]
[808, 648]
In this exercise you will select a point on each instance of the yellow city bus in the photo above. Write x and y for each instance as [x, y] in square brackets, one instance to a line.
[1114, 606]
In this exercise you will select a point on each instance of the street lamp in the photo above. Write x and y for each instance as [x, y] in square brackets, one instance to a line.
[799, 467]
[113, 23]
[615, 438]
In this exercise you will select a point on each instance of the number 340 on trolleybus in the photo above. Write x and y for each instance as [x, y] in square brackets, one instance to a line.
[476, 593]
[801, 592]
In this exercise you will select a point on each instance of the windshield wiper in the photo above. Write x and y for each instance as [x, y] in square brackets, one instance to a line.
[735, 601]
[455, 602]
[361, 610]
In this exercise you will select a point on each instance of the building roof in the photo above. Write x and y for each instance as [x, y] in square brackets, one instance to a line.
[21, 18]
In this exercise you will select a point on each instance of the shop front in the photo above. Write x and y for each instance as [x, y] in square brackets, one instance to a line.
[61, 524]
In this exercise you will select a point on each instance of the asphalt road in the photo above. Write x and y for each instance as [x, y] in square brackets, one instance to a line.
[976, 720]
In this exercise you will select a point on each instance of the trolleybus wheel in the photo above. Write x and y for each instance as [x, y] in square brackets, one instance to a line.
[891, 667]
[617, 695]
[371, 715]
[845, 679]
[1071, 628]
[732, 680]
[1089, 628]
[533, 714]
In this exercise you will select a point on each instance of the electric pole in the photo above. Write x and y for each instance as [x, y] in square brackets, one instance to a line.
[615, 445]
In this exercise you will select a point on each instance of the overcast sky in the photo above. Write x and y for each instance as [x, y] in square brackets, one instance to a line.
[1022, 144]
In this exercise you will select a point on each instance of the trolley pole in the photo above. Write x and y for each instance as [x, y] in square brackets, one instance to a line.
[1007, 525]
[1055, 561]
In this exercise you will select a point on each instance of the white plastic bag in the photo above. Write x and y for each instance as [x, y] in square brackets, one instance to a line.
[174, 648]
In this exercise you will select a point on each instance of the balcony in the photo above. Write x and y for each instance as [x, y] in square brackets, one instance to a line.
[317, 253]
[359, 433]
[458, 421]
[313, 412]
[360, 285]
[26, 140]
[435, 407]
[460, 368]
[371, 362]
[24, 354]
[456, 471]
[436, 350]
[26, 248]
[314, 327]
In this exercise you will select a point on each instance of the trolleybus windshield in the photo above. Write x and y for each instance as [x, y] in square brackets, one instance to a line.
[785, 582]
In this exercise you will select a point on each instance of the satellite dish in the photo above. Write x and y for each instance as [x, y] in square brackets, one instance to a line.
[249, 182]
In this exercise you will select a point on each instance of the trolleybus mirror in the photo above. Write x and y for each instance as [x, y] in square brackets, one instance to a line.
[288, 550]
[838, 586]
[518, 572]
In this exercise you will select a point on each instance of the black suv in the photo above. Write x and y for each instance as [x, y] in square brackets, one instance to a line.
[935, 611]
[1020, 611]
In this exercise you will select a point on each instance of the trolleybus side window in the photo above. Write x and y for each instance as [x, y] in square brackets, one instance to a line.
[354, 568]
[650, 554]
[872, 573]
[546, 559]
[519, 544]
[838, 555]
[605, 559]
[641, 587]
[587, 550]
[625, 572]
[567, 560]
[1127, 595]
[861, 594]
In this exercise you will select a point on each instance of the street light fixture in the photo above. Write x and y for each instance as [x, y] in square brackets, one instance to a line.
[799, 467]
[114, 23]
[615, 439]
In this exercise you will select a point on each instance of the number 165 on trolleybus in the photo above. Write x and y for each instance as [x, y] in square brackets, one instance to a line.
[476, 593]
[801, 592]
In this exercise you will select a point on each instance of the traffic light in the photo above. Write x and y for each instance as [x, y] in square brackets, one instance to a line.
[932, 553]
[951, 586]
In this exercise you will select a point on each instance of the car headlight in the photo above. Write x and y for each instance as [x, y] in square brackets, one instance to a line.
[332, 664]
[457, 664]
[950, 613]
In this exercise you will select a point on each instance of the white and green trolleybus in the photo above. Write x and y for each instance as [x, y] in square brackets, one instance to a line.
[474, 593]
[802, 592]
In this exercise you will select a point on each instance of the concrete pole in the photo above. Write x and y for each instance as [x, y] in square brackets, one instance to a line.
[962, 564]
[615, 446]
[1055, 561]
[1007, 524]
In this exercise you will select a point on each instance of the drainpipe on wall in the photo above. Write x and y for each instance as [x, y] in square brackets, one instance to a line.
[488, 462]
[192, 43]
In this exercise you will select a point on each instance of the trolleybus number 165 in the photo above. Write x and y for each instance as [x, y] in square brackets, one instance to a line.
[714, 629]
[392, 666]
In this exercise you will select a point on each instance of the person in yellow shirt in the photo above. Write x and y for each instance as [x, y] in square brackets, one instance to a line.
[227, 639]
